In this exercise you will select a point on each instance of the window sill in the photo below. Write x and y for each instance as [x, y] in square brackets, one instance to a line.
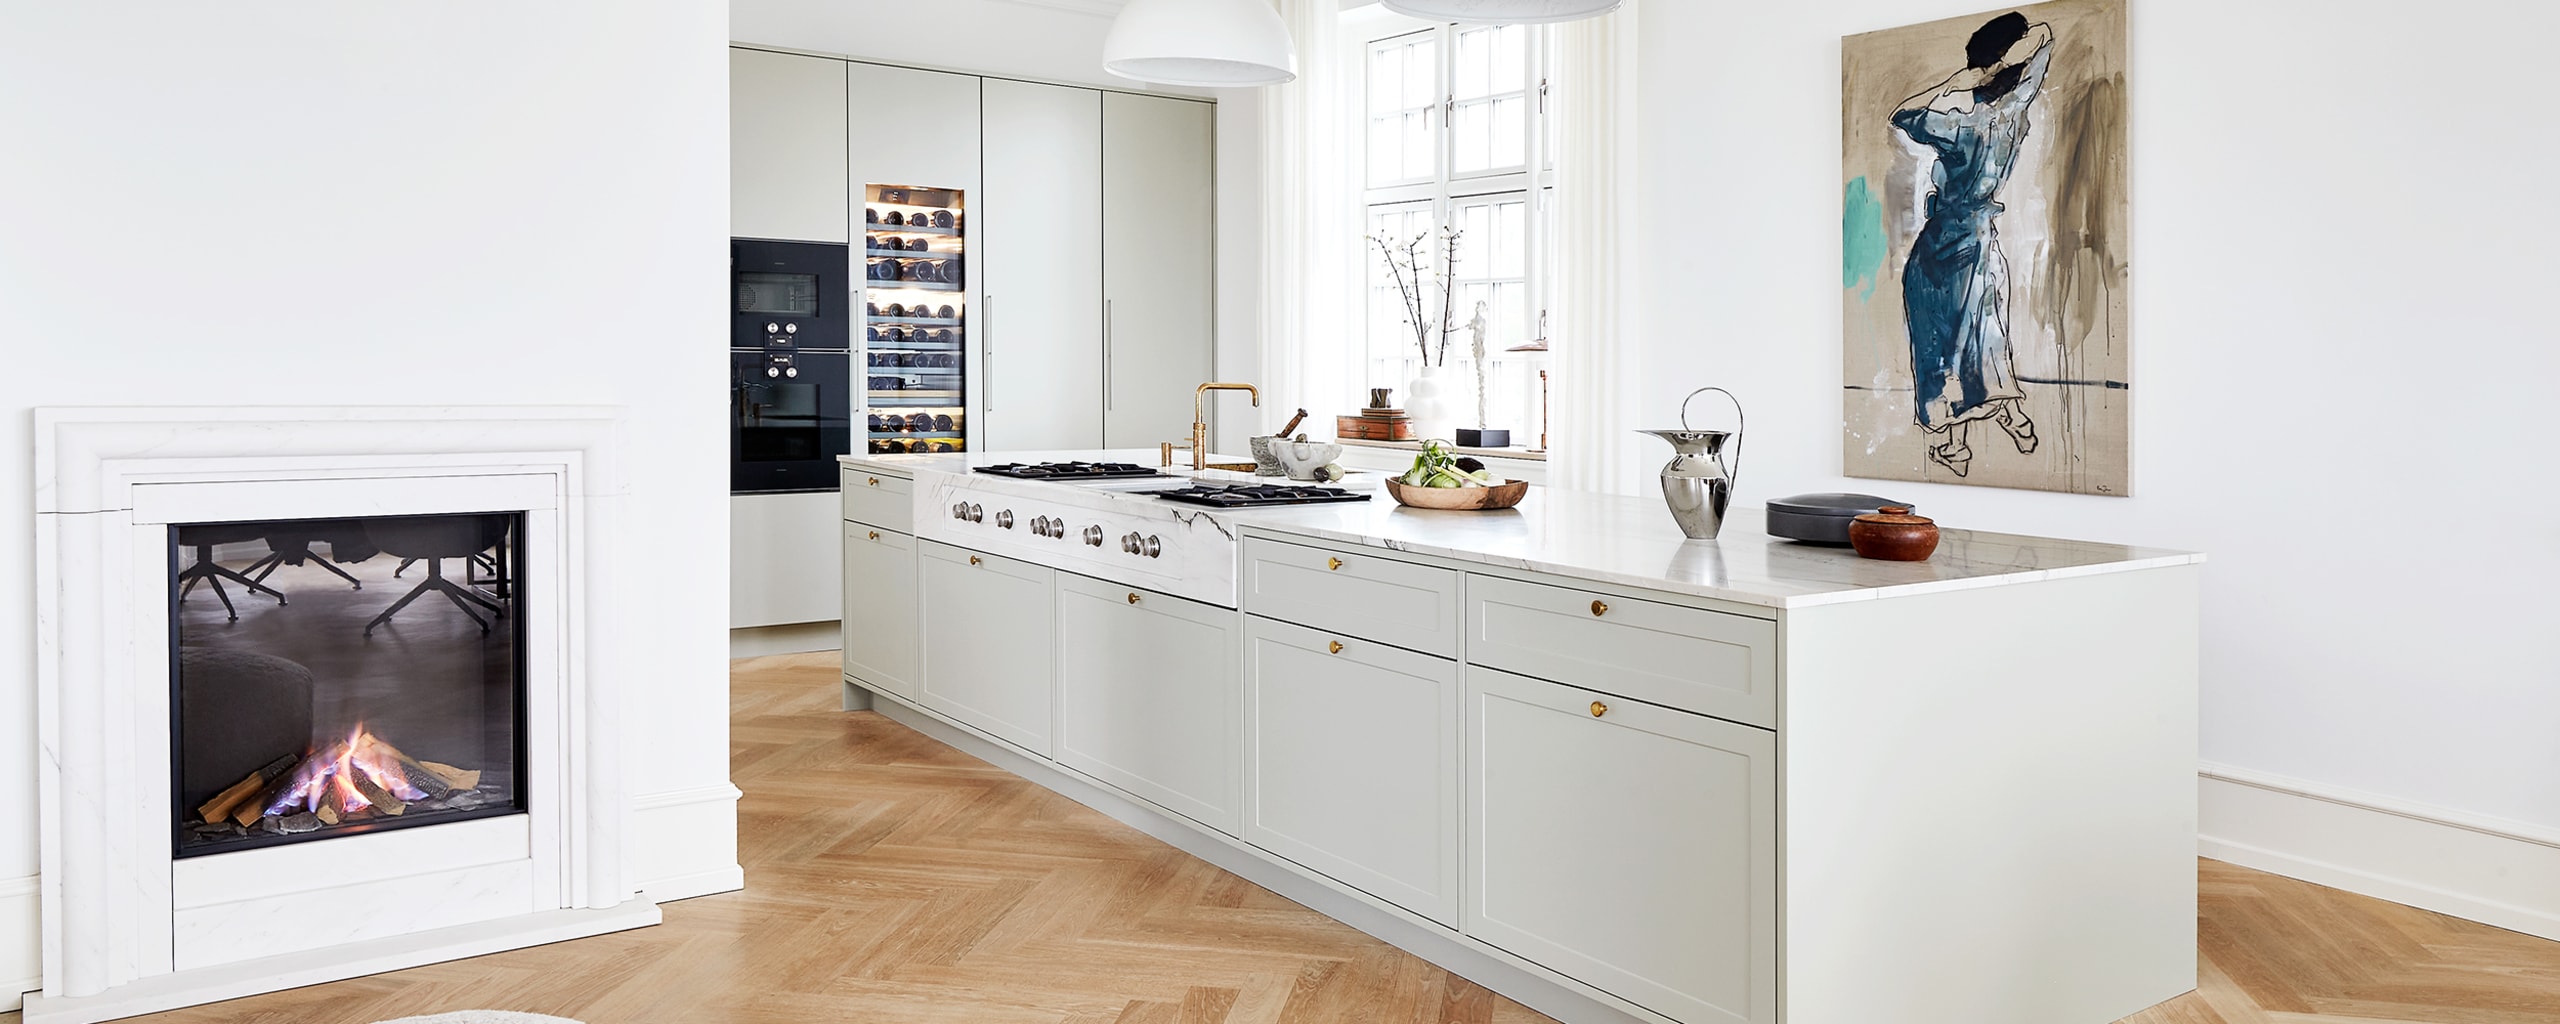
[1516, 452]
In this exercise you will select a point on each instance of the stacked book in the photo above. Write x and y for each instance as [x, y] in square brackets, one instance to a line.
[1375, 424]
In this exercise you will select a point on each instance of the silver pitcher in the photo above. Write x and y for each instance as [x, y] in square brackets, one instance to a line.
[1698, 482]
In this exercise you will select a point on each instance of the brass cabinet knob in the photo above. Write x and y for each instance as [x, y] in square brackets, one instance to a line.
[973, 560]
[1133, 599]
[875, 535]
[1599, 608]
[1598, 709]
[1331, 564]
[874, 481]
[1334, 647]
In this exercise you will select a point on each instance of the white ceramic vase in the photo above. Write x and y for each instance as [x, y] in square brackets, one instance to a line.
[1435, 400]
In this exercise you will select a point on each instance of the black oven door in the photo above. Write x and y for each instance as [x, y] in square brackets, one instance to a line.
[790, 415]
[790, 295]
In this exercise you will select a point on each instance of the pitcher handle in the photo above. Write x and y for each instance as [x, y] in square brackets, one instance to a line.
[1733, 469]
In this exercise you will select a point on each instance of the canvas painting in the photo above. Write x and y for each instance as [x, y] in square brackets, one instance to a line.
[1984, 222]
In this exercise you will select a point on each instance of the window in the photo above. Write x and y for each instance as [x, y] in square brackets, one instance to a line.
[1458, 137]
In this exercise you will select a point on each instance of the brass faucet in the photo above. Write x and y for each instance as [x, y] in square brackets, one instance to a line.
[1199, 445]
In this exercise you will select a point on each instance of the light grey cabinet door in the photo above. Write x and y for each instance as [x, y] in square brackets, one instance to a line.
[783, 557]
[786, 147]
[1630, 846]
[1159, 265]
[880, 608]
[989, 635]
[1150, 698]
[1036, 238]
[1352, 764]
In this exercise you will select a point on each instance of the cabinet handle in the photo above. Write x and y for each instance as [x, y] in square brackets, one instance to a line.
[1332, 564]
[875, 481]
[987, 348]
[1133, 599]
[1599, 608]
[1598, 709]
[1334, 647]
[1106, 356]
[973, 559]
[875, 535]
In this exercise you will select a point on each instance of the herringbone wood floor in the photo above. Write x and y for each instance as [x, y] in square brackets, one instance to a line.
[893, 879]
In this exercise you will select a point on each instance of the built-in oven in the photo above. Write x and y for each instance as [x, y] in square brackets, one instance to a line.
[790, 415]
[792, 397]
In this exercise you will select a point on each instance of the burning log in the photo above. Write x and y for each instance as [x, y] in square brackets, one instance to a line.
[381, 799]
[228, 800]
[455, 777]
[425, 782]
[328, 814]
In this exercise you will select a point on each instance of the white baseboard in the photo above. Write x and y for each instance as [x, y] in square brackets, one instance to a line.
[21, 939]
[688, 843]
[798, 638]
[2491, 870]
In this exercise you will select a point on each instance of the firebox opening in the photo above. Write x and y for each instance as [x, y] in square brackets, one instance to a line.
[337, 676]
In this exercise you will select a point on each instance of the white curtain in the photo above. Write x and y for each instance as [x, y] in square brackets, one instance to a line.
[1310, 223]
[1592, 441]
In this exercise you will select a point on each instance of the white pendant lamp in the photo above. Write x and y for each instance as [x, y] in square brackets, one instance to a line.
[1503, 12]
[1201, 43]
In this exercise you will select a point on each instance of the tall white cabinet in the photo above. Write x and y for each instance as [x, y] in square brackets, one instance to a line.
[786, 147]
[1158, 265]
[1040, 231]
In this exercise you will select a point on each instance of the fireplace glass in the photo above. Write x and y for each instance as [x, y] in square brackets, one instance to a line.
[337, 676]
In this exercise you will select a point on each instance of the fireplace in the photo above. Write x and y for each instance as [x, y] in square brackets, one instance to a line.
[333, 677]
[267, 609]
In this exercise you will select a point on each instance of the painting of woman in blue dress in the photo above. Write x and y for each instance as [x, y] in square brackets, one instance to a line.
[1955, 284]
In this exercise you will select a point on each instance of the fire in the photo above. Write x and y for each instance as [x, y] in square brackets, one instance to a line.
[339, 777]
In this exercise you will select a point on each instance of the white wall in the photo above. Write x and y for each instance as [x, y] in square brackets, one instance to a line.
[322, 203]
[2344, 353]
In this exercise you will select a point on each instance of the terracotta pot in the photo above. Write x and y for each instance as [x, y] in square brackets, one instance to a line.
[1893, 534]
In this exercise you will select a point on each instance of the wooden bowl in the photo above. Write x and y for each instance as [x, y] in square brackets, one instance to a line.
[1462, 499]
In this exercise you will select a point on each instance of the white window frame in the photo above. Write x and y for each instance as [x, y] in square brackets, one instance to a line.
[1532, 181]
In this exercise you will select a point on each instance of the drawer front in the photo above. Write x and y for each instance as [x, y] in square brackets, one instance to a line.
[887, 502]
[880, 608]
[1628, 846]
[1674, 655]
[1352, 761]
[989, 644]
[1150, 699]
[1353, 592]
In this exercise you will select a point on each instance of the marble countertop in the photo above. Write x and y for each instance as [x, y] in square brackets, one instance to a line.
[1630, 541]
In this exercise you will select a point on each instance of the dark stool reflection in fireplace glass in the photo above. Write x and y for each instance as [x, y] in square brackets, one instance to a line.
[325, 695]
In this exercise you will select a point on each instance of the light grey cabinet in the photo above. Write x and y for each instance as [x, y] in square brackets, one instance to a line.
[989, 643]
[880, 608]
[786, 147]
[1352, 762]
[1630, 846]
[1037, 230]
[1158, 265]
[782, 559]
[1150, 697]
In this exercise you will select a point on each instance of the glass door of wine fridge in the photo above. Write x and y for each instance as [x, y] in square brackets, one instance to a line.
[915, 325]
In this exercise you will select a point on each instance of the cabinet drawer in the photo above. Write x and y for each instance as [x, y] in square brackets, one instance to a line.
[1355, 593]
[1631, 847]
[1674, 655]
[1149, 698]
[1352, 758]
[880, 608]
[887, 502]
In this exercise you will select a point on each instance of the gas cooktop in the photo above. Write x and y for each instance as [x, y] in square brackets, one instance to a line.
[1255, 496]
[1071, 471]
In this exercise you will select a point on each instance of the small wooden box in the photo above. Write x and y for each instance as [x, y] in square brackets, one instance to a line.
[1365, 428]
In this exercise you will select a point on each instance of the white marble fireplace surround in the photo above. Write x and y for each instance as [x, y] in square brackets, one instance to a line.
[126, 929]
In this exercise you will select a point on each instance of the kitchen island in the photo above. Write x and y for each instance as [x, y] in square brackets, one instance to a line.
[1563, 751]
